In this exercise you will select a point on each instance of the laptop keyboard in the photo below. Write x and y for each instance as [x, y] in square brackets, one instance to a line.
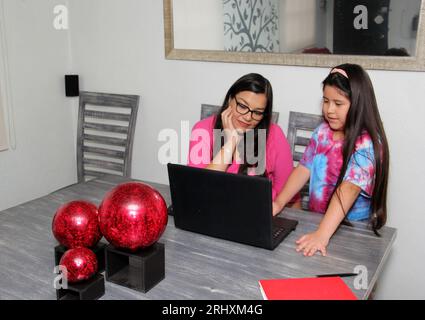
[277, 231]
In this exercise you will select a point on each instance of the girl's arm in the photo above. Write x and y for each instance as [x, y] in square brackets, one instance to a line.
[318, 240]
[296, 181]
[279, 163]
[297, 204]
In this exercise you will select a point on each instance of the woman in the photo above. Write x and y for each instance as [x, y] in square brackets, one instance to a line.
[242, 139]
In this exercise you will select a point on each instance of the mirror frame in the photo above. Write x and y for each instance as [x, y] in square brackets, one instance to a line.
[416, 63]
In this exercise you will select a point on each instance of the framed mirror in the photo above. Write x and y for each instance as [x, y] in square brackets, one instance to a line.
[378, 34]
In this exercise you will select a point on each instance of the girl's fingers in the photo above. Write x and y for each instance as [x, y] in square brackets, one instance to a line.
[309, 245]
[300, 240]
[312, 251]
[323, 251]
[300, 247]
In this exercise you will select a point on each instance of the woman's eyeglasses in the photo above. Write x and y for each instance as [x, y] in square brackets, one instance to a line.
[243, 110]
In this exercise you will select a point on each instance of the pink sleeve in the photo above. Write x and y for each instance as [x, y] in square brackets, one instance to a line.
[279, 159]
[200, 144]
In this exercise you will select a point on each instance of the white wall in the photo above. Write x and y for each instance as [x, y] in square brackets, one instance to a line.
[3, 135]
[117, 46]
[44, 157]
[3, 83]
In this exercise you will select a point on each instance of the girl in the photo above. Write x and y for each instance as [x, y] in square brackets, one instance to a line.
[232, 141]
[346, 161]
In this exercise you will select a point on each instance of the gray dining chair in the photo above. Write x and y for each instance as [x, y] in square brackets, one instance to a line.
[210, 109]
[300, 129]
[106, 126]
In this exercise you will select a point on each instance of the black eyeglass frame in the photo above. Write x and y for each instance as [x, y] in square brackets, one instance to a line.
[259, 115]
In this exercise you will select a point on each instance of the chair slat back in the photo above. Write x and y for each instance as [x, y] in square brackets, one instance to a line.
[300, 128]
[106, 126]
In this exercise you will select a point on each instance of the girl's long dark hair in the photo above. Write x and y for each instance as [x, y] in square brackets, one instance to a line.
[363, 115]
[256, 83]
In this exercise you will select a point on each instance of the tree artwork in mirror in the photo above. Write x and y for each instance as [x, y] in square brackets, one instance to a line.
[251, 26]
[379, 34]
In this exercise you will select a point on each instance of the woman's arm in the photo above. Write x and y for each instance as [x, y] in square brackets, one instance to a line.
[338, 208]
[224, 157]
[296, 181]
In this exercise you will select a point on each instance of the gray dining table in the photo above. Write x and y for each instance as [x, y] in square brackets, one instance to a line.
[196, 266]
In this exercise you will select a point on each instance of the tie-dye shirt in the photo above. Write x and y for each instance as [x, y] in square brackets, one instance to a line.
[323, 157]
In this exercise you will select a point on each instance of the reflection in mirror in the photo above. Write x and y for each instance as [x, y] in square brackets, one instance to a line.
[343, 27]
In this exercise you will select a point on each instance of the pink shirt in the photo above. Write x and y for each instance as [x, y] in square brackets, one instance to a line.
[279, 163]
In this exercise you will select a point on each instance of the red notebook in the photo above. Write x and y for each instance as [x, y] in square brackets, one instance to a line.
[329, 288]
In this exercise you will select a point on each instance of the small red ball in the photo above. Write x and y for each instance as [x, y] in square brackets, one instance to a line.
[76, 224]
[80, 264]
[133, 216]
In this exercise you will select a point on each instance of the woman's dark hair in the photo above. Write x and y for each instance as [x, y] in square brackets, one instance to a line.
[363, 115]
[256, 83]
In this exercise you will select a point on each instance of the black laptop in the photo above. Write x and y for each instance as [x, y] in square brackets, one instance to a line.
[227, 206]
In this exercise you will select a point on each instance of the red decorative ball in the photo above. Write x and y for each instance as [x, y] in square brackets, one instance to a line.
[133, 216]
[80, 264]
[76, 224]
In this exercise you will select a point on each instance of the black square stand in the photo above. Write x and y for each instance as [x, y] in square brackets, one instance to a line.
[141, 270]
[91, 289]
[99, 251]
